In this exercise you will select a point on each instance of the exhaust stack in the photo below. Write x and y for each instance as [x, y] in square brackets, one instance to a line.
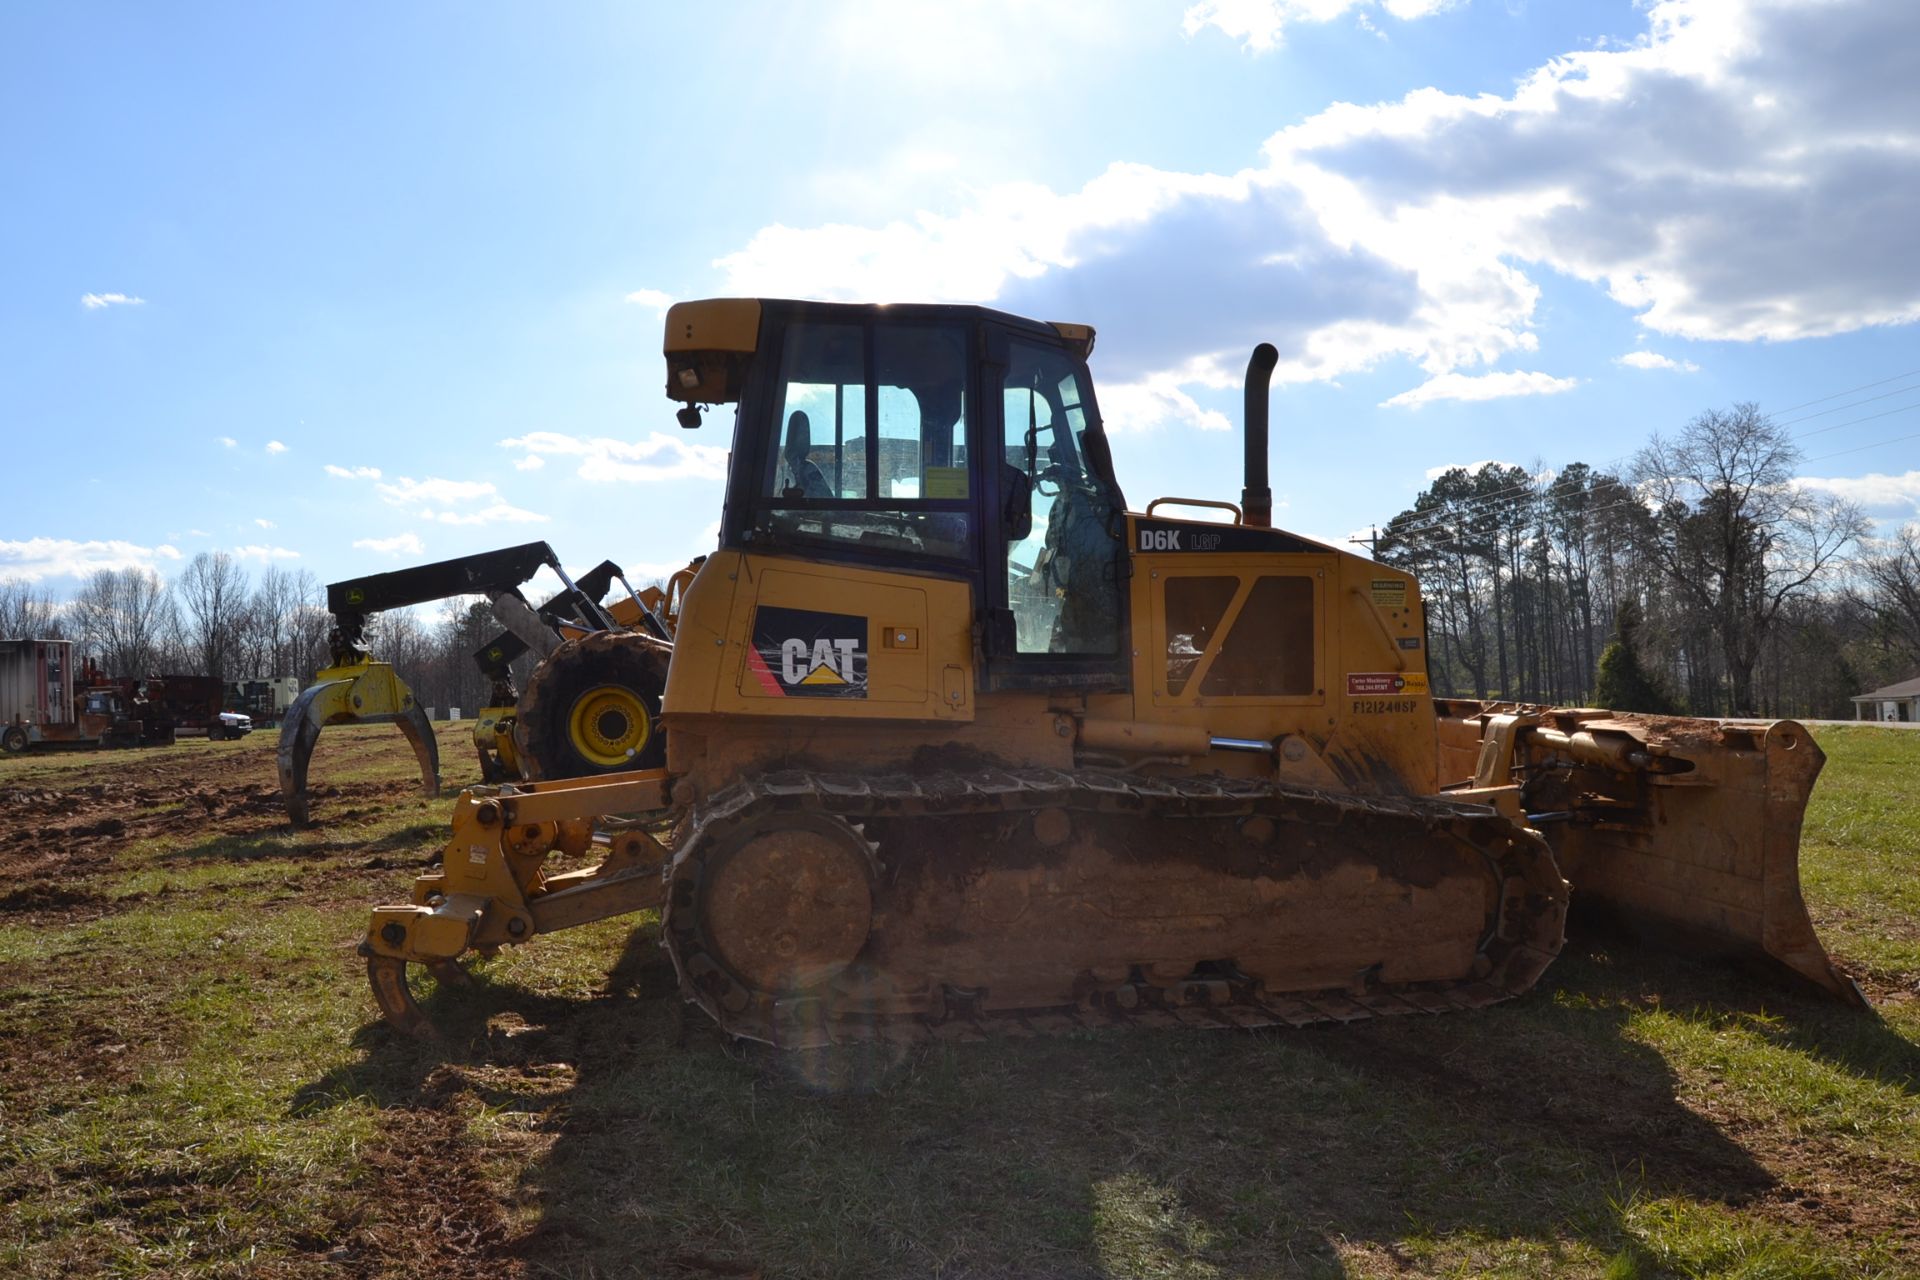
[1256, 500]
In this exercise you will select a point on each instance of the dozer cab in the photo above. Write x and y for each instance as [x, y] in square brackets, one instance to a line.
[958, 740]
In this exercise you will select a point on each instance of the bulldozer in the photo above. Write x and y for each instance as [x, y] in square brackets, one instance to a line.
[960, 742]
[590, 707]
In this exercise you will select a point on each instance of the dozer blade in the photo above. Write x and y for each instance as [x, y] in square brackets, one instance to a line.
[331, 702]
[1690, 826]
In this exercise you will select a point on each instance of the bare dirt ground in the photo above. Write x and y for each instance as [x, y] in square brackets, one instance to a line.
[193, 1082]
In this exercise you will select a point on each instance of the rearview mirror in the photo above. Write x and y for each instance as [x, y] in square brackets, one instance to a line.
[1016, 502]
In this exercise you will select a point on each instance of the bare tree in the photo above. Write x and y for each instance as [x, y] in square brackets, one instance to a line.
[1734, 536]
[123, 617]
[213, 589]
[1890, 575]
[268, 643]
[27, 613]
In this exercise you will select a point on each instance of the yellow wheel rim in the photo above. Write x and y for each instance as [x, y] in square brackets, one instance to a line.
[609, 725]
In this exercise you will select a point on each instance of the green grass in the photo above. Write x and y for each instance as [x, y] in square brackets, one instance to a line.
[193, 1085]
[1860, 851]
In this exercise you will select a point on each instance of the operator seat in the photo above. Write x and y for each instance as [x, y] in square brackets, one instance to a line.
[807, 480]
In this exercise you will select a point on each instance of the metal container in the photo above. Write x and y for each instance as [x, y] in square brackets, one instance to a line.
[36, 682]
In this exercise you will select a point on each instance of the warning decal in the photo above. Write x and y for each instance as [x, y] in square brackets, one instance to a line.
[1385, 684]
[799, 653]
[1389, 593]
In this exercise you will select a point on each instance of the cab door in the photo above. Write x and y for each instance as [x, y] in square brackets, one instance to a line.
[1057, 571]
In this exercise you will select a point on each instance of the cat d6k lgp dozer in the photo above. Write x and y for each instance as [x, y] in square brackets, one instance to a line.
[957, 741]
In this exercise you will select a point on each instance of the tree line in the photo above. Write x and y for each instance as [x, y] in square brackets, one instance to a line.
[1699, 577]
[214, 619]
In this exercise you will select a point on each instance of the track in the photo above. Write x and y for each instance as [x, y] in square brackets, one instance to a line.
[808, 909]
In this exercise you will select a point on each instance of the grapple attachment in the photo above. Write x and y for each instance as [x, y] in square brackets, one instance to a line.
[366, 692]
[1689, 825]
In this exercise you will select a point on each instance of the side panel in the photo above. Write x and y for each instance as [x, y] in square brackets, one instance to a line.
[771, 636]
[1306, 642]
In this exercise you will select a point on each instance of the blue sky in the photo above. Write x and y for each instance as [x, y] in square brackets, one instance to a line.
[256, 253]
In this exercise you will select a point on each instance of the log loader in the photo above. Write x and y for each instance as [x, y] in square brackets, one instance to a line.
[957, 740]
[589, 708]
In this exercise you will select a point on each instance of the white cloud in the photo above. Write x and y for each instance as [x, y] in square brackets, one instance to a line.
[35, 558]
[1485, 386]
[1746, 170]
[1873, 491]
[532, 462]
[461, 499]
[398, 544]
[494, 513]
[651, 298]
[228, 441]
[1261, 25]
[264, 554]
[1153, 401]
[274, 446]
[658, 457]
[1653, 360]
[263, 522]
[406, 490]
[96, 301]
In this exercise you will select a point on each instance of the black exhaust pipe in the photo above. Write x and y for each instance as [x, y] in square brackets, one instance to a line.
[1256, 500]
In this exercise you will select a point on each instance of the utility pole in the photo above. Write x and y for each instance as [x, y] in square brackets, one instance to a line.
[1371, 542]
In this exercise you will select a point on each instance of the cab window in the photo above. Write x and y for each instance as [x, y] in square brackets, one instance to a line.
[871, 439]
[1064, 551]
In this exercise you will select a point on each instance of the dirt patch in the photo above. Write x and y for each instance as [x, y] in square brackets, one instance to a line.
[431, 1210]
[39, 902]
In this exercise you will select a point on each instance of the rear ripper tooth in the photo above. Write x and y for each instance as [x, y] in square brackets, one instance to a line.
[1480, 905]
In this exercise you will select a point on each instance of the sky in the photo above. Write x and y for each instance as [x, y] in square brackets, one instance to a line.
[347, 287]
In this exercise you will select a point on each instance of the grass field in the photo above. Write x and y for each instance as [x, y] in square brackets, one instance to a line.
[191, 1083]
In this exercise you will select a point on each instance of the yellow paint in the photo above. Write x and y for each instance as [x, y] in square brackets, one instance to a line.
[714, 324]
[711, 673]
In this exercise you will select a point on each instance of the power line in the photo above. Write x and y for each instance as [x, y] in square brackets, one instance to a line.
[1875, 445]
[1842, 408]
[1867, 386]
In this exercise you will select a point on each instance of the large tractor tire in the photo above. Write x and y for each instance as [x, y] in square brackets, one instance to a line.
[593, 707]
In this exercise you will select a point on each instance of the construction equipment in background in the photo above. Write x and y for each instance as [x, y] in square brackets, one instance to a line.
[46, 702]
[595, 724]
[357, 688]
[957, 741]
[263, 701]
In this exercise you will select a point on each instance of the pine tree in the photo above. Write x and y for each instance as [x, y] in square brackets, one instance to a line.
[1622, 683]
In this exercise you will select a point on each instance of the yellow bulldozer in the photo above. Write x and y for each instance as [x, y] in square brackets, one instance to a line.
[958, 740]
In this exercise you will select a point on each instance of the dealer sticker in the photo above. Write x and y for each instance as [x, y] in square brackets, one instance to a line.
[1385, 684]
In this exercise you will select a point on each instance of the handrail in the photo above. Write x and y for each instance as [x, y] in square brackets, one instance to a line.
[1197, 502]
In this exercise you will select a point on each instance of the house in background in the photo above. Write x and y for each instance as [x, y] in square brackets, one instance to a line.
[1895, 702]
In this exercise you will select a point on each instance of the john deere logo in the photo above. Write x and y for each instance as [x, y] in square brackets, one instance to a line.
[356, 596]
[800, 653]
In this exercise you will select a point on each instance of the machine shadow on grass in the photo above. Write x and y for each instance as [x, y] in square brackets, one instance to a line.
[1533, 1123]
